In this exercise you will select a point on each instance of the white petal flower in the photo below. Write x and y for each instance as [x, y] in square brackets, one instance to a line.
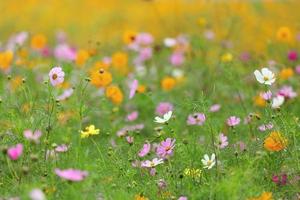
[265, 76]
[165, 118]
[153, 163]
[170, 42]
[209, 162]
[277, 101]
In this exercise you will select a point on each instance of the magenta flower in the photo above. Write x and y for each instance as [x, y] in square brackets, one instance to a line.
[64, 52]
[293, 55]
[267, 96]
[280, 180]
[145, 150]
[71, 174]
[33, 136]
[215, 108]
[166, 148]
[177, 59]
[163, 108]
[132, 116]
[265, 127]
[144, 39]
[56, 76]
[196, 119]
[233, 121]
[287, 92]
[15, 152]
[297, 69]
[183, 198]
[133, 87]
[62, 148]
[223, 141]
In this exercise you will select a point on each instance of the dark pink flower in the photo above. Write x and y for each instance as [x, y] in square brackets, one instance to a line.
[166, 148]
[287, 92]
[145, 150]
[15, 152]
[280, 180]
[293, 56]
[71, 174]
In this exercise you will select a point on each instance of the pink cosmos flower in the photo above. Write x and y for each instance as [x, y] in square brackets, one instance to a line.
[129, 139]
[223, 141]
[126, 129]
[33, 136]
[265, 127]
[177, 59]
[56, 76]
[183, 198]
[293, 55]
[64, 52]
[37, 194]
[46, 52]
[62, 148]
[67, 93]
[15, 152]
[71, 174]
[196, 119]
[166, 148]
[145, 54]
[245, 56]
[280, 180]
[287, 92]
[163, 108]
[215, 108]
[297, 69]
[153, 163]
[209, 34]
[132, 116]
[233, 121]
[145, 150]
[133, 87]
[144, 39]
[267, 96]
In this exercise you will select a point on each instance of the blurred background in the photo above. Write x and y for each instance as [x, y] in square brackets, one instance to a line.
[105, 21]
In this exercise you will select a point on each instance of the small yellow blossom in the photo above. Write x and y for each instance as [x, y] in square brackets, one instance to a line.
[227, 57]
[89, 130]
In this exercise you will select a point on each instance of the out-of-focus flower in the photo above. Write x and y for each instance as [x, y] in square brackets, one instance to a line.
[215, 108]
[129, 37]
[297, 69]
[33, 136]
[192, 172]
[89, 131]
[101, 78]
[115, 94]
[293, 55]
[264, 196]
[222, 141]
[15, 152]
[153, 163]
[284, 34]
[37, 194]
[233, 121]
[61, 148]
[170, 42]
[38, 41]
[265, 127]
[202, 21]
[132, 116]
[265, 76]
[163, 108]
[144, 39]
[275, 142]
[56, 76]
[196, 119]
[277, 101]
[166, 148]
[209, 34]
[81, 57]
[129, 139]
[259, 101]
[71, 174]
[227, 57]
[287, 92]
[133, 87]
[145, 150]
[183, 198]
[140, 197]
[6, 59]
[280, 179]
[66, 94]
[286, 73]
[119, 61]
[177, 59]
[164, 119]
[168, 83]
[266, 95]
[209, 162]
[64, 52]
[126, 129]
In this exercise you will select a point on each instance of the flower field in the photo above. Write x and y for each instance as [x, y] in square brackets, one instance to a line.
[150, 100]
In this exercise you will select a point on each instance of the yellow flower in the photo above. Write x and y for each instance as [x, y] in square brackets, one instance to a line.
[202, 21]
[101, 78]
[6, 60]
[284, 34]
[286, 73]
[89, 130]
[82, 57]
[129, 37]
[168, 83]
[38, 41]
[192, 172]
[227, 57]
[140, 197]
[259, 101]
[16, 82]
[119, 62]
[264, 196]
[275, 142]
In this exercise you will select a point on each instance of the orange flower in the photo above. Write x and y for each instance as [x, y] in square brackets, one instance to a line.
[140, 197]
[81, 57]
[275, 142]
[100, 65]
[101, 78]
[284, 34]
[286, 73]
[119, 62]
[38, 41]
[16, 82]
[129, 37]
[141, 89]
[264, 196]
[259, 101]
[168, 83]
[114, 94]
[6, 59]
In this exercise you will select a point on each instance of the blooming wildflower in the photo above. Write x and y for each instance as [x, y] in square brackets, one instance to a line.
[209, 162]
[165, 118]
[64, 52]
[227, 57]
[33, 136]
[177, 59]
[162, 184]
[165, 148]
[119, 61]
[240, 145]
[259, 101]
[71, 174]
[38, 41]
[37, 194]
[67, 93]
[277, 101]
[170, 42]
[101, 78]
[145, 150]
[140, 197]
[196, 119]
[215, 108]
[275, 142]
[233, 121]
[264, 196]
[209, 34]
[132, 116]
[56, 76]
[15, 152]
[284, 34]
[129, 139]
[61, 148]
[163, 108]
[192, 172]
[6, 59]
[280, 180]
[89, 130]
[144, 39]
[129, 37]
[265, 76]
[265, 127]
[266, 95]
[144, 54]
[287, 92]
[183, 198]
[153, 163]
[286, 73]
[293, 55]
[126, 129]
[114, 93]
[223, 141]
[81, 57]
[168, 83]
[297, 69]
[133, 88]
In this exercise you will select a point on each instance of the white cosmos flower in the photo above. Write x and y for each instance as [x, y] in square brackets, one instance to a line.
[265, 76]
[165, 118]
[277, 101]
[153, 163]
[169, 42]
[209, 162]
